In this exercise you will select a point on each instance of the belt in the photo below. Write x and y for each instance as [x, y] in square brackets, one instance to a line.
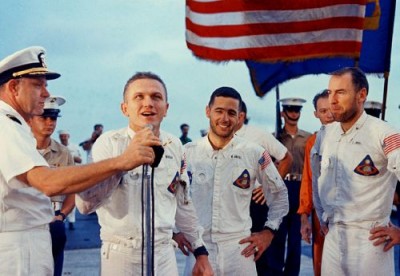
[22, 231]
[293, 177]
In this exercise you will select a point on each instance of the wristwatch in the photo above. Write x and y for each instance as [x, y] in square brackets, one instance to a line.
[200, 251]
[62, 215]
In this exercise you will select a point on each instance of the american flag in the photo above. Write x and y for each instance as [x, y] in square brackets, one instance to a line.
[391, 143]
[183, 164]
[265, 160]
[278, 30]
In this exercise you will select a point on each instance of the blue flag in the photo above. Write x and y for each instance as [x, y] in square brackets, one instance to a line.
[374, 58]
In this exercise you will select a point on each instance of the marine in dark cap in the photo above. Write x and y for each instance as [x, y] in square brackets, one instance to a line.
[294, 139]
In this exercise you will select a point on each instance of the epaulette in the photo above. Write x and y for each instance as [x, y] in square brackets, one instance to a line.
[15, 119]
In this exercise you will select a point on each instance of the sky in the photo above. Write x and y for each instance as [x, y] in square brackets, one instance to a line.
[98, 45]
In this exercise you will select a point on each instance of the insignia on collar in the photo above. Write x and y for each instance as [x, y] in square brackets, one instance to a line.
[366, 167]
[174, 184]
[243, 181]
[15, 119]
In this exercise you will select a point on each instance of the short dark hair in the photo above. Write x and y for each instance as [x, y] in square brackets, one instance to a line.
[96, 126]
[184, 125]
[227, 92]
[323, 94]
[145, 75]
[358, 77]
[243, 107]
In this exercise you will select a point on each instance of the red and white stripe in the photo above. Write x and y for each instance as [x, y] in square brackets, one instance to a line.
[183, 164]
[274, 30]
[265, 160]
[391, 143]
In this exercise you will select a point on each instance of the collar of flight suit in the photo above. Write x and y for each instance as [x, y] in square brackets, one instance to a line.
[225, 151]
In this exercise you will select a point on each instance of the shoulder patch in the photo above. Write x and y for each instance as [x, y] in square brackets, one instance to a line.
[391, 143]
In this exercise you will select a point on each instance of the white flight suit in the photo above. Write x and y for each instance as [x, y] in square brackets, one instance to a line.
[25, 212]
[117, 202]
[263, 138]
[359, 169]
[222, 182]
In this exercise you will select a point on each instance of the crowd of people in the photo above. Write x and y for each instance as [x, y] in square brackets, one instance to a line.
[237, 201]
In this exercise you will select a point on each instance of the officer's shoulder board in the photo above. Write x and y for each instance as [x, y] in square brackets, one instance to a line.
[15, 119]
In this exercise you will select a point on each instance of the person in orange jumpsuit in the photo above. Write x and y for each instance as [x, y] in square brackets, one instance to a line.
[306, 209]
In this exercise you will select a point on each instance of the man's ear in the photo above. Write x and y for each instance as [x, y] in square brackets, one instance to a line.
[242, 116]
[208, 110]
[362, 94]
[166, 110]
[13, 86]
[124, 109]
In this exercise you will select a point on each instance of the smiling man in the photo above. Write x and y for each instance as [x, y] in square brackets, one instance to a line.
[118, 202]
[359, 167]
[224, 169]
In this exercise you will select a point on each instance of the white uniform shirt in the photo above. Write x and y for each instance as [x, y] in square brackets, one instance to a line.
[222, 182]
[74, 150]
[358, 171]
[118, 199]
[263, 138]
[21, 206]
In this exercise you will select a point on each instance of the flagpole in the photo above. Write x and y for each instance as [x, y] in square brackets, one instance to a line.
[388, 58]
[278, 124]
[385, 89]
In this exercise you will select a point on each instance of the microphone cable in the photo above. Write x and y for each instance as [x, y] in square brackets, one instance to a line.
[142, 202]
[147, 193]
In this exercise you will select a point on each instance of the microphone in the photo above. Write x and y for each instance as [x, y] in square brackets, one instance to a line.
[158, 150]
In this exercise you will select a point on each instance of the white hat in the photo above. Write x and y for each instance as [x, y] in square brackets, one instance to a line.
[373, 105]
[29, 62]
[63, 131]
[52, 106]
[292, 102]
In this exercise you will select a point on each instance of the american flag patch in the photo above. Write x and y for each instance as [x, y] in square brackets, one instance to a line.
[391, 143]
[174, 184]
[265, 160]
[183, 164]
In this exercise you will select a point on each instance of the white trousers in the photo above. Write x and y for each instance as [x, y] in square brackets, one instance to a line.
[225, 259]
[348, 251]
[123, 259]
[24, 253]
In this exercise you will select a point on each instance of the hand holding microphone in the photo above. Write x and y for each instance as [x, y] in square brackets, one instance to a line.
[158, 150]
[139, 150]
